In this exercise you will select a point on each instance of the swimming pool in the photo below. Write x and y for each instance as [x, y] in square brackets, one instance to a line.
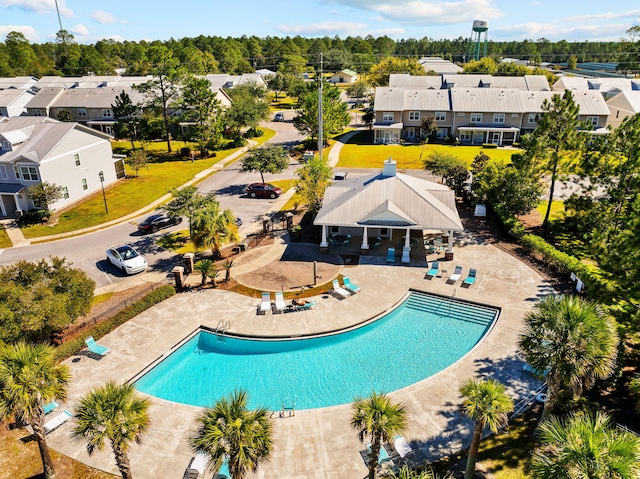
[419, 338]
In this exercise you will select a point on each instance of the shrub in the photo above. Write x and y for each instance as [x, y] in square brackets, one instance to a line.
[489, 145]
[75, 345]
[512, 225]
[34, 216]
[185, 151]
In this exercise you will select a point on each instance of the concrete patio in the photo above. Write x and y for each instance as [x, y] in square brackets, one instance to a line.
[319, 443]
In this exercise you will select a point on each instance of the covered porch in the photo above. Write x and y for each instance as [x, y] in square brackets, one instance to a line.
[13, 199]
[477, 135]
[387, 132]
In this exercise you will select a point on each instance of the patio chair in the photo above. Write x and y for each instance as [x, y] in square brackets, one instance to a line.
[376, 242]
[50, 407]
[401, 446]
[391, 255]
[470, 279]
[433, 272]
[456, 275]
[197, 466]
[383, 456]
[224, 473]
[280, 304]
[56, 421]
[265, 304]
[95, 348]
[338, 290]
[349, 286]
[346, 241]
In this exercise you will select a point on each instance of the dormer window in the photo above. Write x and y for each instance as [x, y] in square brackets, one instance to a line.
[107, 113]
[6, 146]
[82, 112]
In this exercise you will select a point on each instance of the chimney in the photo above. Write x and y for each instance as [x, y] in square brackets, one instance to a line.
[389, 168]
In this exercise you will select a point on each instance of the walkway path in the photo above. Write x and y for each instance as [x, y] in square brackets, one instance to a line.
[334, 153]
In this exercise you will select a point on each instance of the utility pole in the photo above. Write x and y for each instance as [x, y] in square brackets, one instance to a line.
[320, 139]
[58, 10]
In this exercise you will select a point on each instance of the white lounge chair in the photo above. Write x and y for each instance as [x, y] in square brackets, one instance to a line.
[402, 446]
[280, 304]
[339, 290]
[197, 467]
[56, 421]
[456, 275]
[265, 305]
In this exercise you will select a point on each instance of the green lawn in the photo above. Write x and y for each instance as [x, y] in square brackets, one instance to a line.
[132, 194]
[360, 153]
[5, 242]
[557, 209]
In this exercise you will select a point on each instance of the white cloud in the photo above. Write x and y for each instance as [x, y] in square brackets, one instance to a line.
[563, 31]
[104, 18]
[604, 16]
[79, 30]
[28, 31]
[390, 32]
[324, 28]
[38, 6]
[427, 13]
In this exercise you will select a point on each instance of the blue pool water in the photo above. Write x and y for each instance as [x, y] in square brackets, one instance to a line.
[422, 336]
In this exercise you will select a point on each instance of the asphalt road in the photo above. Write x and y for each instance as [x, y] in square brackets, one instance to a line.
[87, 252]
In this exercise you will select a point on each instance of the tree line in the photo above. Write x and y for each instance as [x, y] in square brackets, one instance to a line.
[213, 54]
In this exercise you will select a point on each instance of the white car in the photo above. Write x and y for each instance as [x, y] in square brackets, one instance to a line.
[126, 259]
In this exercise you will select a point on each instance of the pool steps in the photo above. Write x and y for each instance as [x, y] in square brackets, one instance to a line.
[451, 307]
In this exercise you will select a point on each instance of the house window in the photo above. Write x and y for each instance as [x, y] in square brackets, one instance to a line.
[16, 171]
[387, 116]
[76, 157]
[3, 172]
[6, 145]
[29, 173]
[593, 120]
[37, 112]
[384, 232]
[3, 112]
[65, 192]
[334, 229]
[441, 116]
[465, 136]
[414, 115]
[84, 184]
[107, 113]
[476, 117]
[533, 118]
[82, 112]
[498, 117]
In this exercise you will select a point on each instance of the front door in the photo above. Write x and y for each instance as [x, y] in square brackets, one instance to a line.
[495, 138]
[7, 205]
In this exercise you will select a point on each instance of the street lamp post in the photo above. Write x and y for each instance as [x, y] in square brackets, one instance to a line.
[104, 197]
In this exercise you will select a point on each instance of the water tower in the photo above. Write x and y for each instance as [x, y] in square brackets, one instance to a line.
[478, 38]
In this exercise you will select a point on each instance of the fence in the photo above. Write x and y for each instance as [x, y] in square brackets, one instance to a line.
[112, 311]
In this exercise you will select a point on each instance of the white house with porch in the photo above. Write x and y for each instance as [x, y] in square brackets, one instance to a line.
[377, 205]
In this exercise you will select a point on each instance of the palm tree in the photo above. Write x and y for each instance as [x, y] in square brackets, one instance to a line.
[377, 419]
[29, 379]
[115, 413]
[571, 339]
[230, 430]
[487, 403]
[204, 266]
[213, 227]
[227, 265]
[585, 446]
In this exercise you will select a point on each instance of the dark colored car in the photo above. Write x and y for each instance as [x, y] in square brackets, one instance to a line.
[155, 222]
[263, 190]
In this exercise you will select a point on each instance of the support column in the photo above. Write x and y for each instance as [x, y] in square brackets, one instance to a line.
[324, 245]
[406, 251]
[448, 254]
[364, 247]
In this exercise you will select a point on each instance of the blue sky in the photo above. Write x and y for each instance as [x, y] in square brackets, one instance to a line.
[90, 20]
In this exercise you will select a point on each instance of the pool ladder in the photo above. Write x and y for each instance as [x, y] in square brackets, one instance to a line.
[453, 295]
[222, 328]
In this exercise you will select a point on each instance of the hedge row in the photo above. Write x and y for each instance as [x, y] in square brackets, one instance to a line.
[564, 263]
[75, 345]
[512, 225]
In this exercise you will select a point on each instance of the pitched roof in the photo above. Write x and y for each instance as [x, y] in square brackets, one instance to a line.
[507, 100]
[404, 80]
[626, 99]
[590, 102]
[435, 100]
[94, 97]
[400, 201]
[43, 135]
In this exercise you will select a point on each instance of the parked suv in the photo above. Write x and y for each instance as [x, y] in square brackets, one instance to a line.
[263, 190]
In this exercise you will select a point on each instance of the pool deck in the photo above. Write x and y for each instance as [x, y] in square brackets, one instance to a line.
[319, 443]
